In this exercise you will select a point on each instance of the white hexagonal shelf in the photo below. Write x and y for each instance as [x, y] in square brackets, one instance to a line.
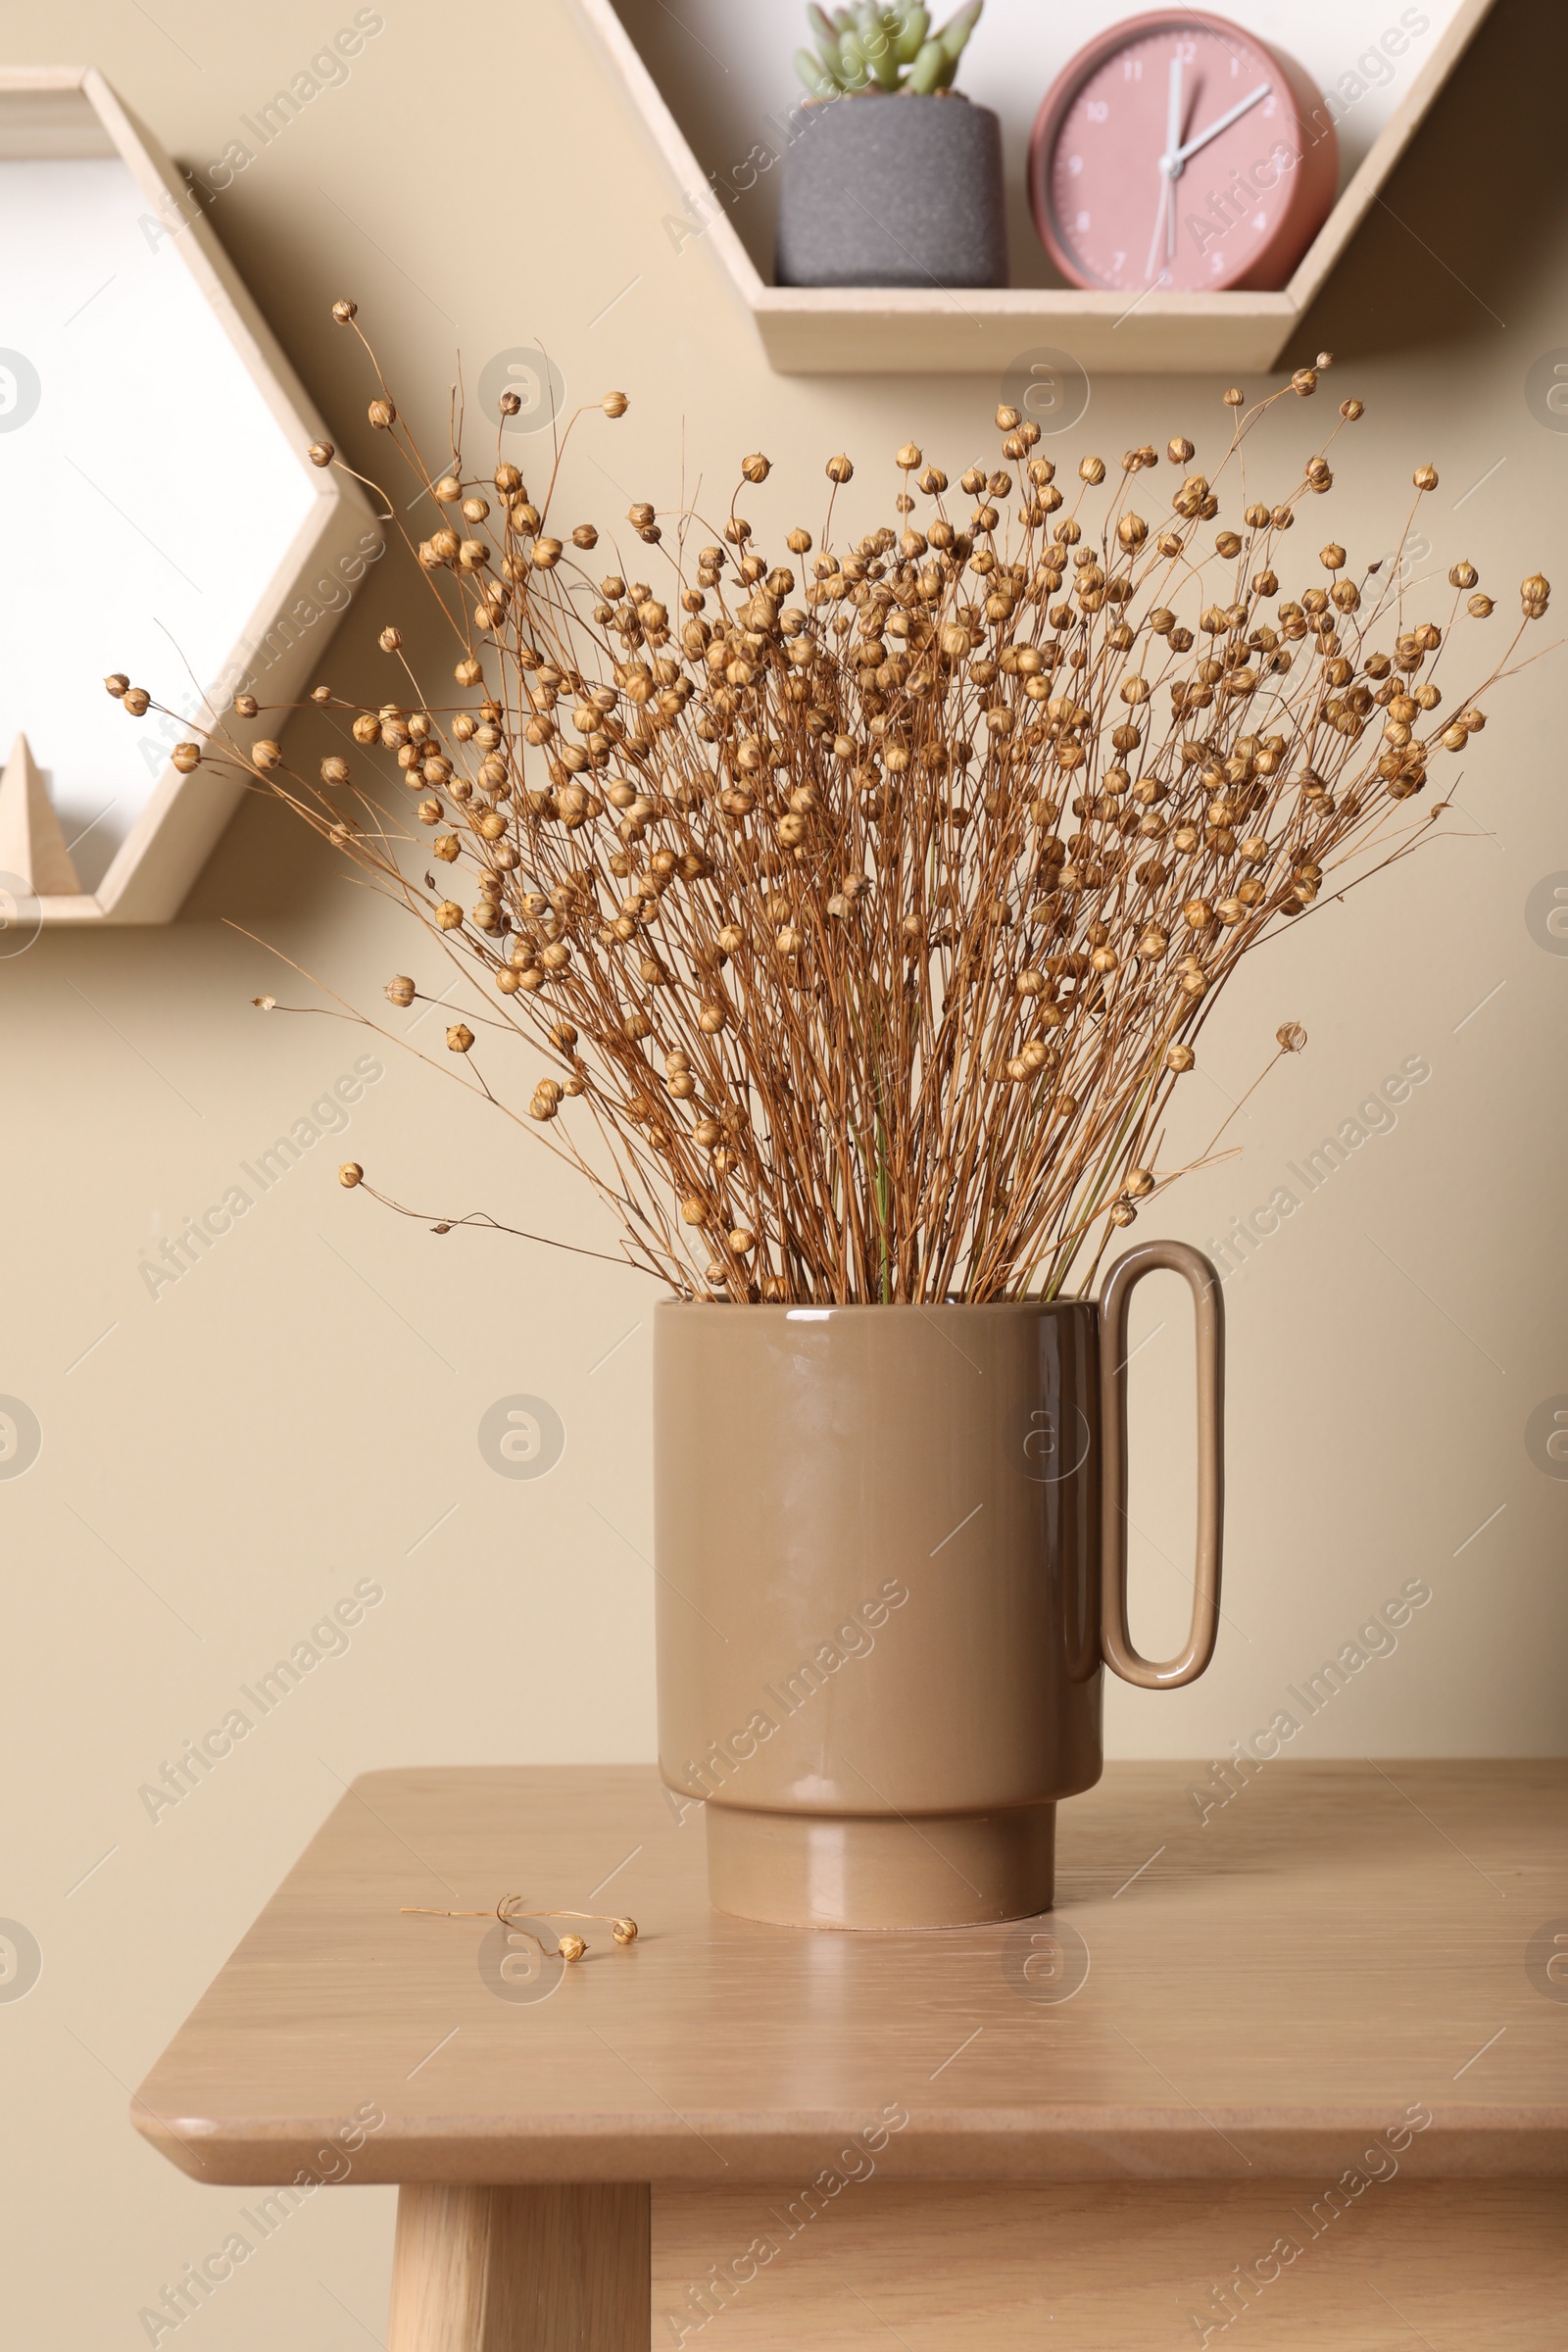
[713, 89]
[162, 515]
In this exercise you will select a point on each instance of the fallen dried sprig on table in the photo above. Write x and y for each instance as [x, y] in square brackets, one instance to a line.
[513, 1908]
[868, 907]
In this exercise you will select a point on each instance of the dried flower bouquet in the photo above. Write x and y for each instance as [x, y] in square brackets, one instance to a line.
[860, 913]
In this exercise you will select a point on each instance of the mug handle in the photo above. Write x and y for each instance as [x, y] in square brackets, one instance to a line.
[1208, 1313]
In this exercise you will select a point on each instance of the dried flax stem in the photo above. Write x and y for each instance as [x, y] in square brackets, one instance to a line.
[866, 908]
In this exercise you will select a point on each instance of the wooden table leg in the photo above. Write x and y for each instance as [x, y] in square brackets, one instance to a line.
[521, 2270]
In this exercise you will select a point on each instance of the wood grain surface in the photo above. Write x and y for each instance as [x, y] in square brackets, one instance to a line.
[521, 2270]
[1140, 2266]
[1264, 1988]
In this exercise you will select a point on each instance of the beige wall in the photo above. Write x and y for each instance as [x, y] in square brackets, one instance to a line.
[300, 1411]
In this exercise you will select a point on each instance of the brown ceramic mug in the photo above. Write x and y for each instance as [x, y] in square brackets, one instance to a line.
[891, 1545]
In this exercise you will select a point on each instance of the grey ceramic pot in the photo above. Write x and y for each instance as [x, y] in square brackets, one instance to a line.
[884, 191]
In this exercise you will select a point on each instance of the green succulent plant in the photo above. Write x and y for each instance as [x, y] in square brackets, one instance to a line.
[870, 48]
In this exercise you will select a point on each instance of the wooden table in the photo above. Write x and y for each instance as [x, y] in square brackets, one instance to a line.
[1298, 2063]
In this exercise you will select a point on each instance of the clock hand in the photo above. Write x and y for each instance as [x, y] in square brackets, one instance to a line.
[1165, 218]
[1174, 163]
[1162, 218]
[1173, 114]
[1173, 133]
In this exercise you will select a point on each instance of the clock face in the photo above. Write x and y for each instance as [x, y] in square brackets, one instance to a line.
[1179, 153]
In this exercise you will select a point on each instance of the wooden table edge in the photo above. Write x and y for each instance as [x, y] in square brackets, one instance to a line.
[1127, 2144]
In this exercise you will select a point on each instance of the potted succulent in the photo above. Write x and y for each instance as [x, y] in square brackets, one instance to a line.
[853, 911]
[874, 195]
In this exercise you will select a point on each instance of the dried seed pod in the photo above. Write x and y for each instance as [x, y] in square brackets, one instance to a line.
[350, 1174]
[400, 990]
[835, 794]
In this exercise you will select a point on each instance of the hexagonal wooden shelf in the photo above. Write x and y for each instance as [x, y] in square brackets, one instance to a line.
[164, 517]
[896, 331]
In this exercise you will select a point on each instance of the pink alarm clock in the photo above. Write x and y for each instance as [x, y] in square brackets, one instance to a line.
[1179, 151]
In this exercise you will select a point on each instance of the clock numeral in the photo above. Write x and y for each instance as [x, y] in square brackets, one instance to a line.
[1187, 51]
[1096, 109]
[1132, 69]
[1118, 262]
[1075, 164]
[1080, 221]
